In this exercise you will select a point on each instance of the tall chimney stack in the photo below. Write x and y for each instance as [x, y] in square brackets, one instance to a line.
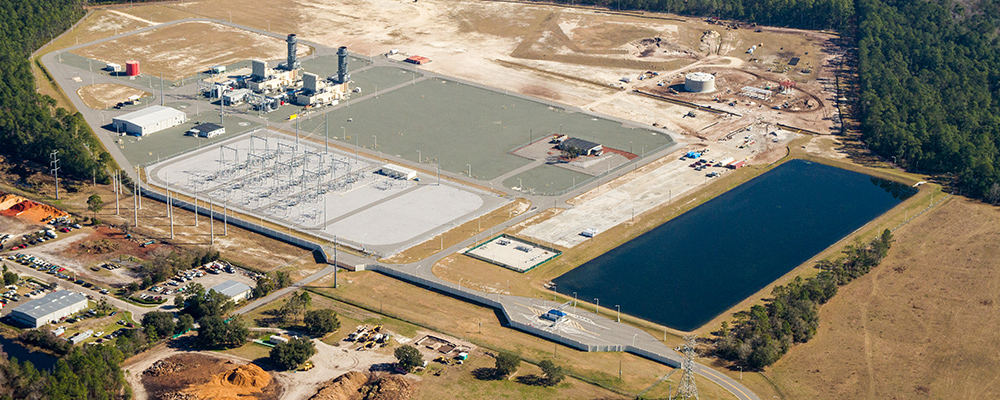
[292, 62]
[342, 75]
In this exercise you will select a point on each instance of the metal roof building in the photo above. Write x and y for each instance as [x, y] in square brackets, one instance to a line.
[149, 120]
[236, 291]
[39, 312]
[586, 147]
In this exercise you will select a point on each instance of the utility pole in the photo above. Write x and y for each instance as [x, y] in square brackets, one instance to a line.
[118, 189]
[335, 265]
[195, 208]
[55, 169]
[135, 205]
[161, 88]
[211, 220]
[170, 212]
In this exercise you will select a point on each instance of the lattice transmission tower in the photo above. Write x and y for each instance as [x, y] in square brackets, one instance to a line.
[687, 388]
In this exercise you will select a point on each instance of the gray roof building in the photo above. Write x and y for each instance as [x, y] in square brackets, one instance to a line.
[39, 312]
[233, 290]
[587, 147]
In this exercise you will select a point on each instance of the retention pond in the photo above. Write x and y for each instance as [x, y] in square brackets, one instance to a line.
[687, 271]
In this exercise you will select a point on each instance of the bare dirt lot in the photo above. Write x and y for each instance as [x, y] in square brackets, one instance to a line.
[185, 49]
[105, 95]
[574, 56]
[921, 325]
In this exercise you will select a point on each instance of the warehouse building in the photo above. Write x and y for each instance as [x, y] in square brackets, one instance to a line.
[207, 130]
[50, 308]
[149, 120]
[235, 291]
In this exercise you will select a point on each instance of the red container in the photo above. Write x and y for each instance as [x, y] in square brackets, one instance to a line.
[132, 68]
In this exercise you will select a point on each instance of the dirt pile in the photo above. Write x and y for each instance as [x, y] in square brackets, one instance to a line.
[18, 209]
[344, 387]
[101, 246]
[389, 388]
[235, 384]
[8, 200]
[163, 367]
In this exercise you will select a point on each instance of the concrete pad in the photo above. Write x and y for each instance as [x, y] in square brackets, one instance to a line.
[407, 216]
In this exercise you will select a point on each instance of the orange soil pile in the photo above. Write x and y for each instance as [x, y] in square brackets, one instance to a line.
[18, 209]
[40, 212]
[237, 384]
[8, 200]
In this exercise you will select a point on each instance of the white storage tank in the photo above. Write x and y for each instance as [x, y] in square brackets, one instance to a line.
[699, 82]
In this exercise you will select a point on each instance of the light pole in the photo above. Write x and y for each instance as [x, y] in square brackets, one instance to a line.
[420, 159]
[519, 186]
[375, 146]
[741, 372]
[460, 284]
[574, 301]
[633, 339]
[470, 169]
[619, 312]
[598, 301]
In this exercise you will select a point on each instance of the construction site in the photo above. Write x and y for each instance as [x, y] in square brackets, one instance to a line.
[410, 127]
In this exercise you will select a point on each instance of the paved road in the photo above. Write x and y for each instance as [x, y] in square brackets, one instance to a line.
[612, 336]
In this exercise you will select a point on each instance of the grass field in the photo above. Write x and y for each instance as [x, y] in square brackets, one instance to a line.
[457, 318]
[921, 325]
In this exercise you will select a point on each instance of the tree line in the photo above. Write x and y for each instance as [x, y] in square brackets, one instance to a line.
[760, 336]
[930, 88]
[805, 14]
[88, 372]
[31, 126]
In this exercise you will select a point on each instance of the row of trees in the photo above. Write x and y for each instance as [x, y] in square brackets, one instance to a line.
[89, 372]
[930, 87]
[807, 14]
[30, 124]
[760, 336]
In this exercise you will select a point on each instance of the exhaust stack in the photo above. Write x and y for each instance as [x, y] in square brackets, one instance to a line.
[292, 62]
[342, 75]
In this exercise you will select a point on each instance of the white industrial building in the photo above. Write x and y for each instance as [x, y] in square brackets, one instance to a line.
[50, 308]
[149, 120]
[398, 172]
[235, 291]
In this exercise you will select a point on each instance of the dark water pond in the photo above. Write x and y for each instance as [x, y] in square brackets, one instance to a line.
[692, 268]
[14, 350]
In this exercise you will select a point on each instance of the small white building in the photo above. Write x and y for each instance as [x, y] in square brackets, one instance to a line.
[50, 308]
[112, 67]
[149, 120]
[207, 130]
[398, 172]
[235, 291]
